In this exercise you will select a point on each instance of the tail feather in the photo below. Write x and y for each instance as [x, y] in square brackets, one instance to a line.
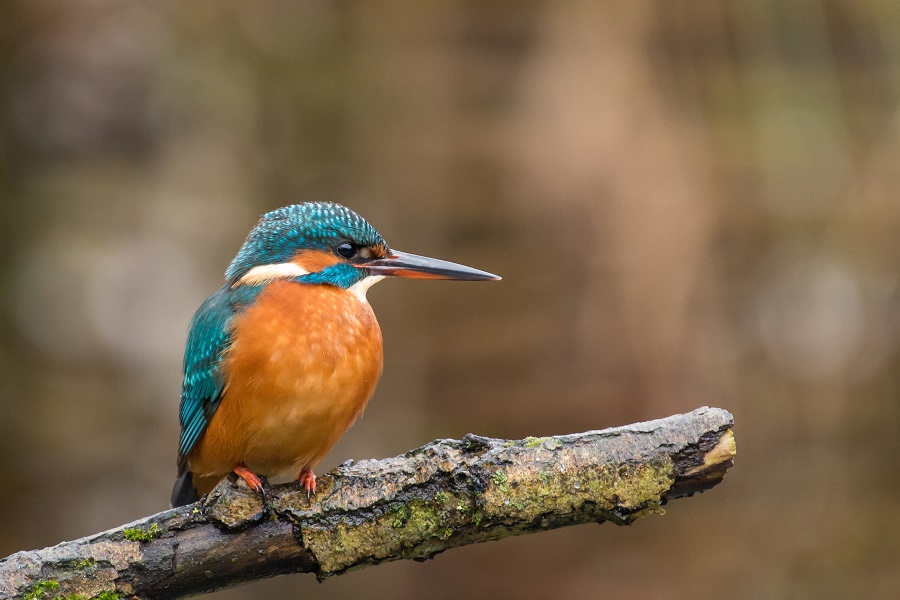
[184, 492]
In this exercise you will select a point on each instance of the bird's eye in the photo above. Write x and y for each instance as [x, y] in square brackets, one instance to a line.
[346, 250]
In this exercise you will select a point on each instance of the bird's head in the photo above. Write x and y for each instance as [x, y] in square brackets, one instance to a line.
[326, 243]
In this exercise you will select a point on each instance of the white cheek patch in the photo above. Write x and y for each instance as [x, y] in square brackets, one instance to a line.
[265, 273]
[360, 288]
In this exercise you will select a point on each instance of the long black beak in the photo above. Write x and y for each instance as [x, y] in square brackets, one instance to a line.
[403, 264]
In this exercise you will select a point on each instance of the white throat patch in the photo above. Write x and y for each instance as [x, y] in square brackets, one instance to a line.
[360, 288]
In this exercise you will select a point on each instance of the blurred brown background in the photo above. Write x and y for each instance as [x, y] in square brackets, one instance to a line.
[690, 203]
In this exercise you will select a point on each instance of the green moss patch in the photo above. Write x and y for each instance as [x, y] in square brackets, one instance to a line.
[41, 589]
[136, 534]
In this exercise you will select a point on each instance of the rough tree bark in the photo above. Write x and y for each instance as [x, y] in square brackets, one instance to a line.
[446, 494]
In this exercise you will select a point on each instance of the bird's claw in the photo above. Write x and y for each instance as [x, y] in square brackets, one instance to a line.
[257, 484]
[308, 480]
[250, 477]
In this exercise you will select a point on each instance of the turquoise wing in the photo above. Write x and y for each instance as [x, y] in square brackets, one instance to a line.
[204, 379]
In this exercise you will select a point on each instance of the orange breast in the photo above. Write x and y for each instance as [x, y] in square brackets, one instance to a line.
[303, 363]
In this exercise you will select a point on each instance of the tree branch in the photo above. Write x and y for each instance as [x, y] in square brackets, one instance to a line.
[446, 494]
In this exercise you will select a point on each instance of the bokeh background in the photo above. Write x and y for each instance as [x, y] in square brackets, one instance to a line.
[690, 203]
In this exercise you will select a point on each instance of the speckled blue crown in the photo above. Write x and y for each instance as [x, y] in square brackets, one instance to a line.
[281, 233]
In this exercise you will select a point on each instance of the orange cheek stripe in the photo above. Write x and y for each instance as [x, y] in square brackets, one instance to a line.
[315, 260]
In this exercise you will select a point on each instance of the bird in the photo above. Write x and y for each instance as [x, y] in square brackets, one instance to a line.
[282, 359]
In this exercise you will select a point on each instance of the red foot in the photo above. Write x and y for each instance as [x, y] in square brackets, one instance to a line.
[250, 477]
[308, 480]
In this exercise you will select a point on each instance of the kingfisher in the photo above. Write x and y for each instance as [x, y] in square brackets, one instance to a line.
[282, 359]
